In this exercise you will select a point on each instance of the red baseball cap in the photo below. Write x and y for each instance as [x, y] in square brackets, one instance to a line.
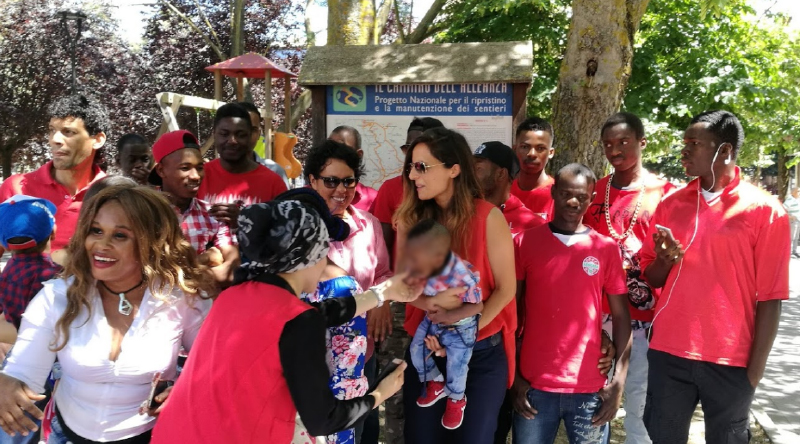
[173, 141]
[168, 144]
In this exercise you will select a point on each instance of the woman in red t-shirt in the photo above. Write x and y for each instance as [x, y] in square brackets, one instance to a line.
[440, 183]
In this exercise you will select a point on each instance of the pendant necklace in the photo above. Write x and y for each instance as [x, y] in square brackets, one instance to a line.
[125, 307]
[620, 238]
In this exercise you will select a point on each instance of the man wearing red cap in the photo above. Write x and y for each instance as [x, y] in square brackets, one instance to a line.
[179, 168]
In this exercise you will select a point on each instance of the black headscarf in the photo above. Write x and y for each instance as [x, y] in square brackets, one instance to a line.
[287, 234]
[280, 237]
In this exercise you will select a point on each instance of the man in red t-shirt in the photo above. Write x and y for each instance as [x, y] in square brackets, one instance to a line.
[564, 270]
[235, 178]
[496, 167]
[534, 146]
[632, 194]
[385, 324]
[718, 313]
[77, 131]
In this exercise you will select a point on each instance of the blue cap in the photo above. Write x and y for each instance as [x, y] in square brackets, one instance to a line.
[26, 217]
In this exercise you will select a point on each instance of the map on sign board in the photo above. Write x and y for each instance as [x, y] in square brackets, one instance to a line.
[382, 113]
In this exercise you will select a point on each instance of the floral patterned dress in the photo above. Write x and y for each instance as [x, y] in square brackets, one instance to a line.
[347, 349]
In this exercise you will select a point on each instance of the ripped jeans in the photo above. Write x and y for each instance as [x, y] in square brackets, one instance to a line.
[576, 409]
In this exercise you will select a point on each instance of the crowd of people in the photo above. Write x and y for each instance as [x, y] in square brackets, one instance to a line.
[475, 295]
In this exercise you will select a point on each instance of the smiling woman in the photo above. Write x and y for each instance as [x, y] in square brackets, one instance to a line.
[125, 284]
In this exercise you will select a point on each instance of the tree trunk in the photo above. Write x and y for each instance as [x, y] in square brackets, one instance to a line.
[350, 22]
[593, 77]
[311, 38]
[783, 175]
[237, 28]
[7, 153]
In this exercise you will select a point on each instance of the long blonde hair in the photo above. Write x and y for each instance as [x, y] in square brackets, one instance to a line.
[167, 259]
[450, 148]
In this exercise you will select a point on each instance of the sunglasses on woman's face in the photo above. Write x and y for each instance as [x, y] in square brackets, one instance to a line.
[333, 182]
[421, 167]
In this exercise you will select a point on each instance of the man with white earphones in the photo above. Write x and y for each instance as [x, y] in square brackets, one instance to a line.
[718, 313]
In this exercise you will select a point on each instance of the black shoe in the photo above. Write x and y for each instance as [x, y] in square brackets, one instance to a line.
[795, 255]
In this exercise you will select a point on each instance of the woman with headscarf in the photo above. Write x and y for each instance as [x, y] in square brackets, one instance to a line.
[258, 372]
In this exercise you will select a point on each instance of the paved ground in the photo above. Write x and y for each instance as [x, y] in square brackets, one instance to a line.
[777, 405]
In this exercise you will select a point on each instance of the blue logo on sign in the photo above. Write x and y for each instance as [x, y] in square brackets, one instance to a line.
[350, 98]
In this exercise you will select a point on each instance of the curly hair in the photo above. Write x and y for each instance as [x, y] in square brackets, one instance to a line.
[450, 148]
[94, 115]
[168, 260]
[319, 157]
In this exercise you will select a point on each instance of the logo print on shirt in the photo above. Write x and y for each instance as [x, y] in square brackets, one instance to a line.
[591, 265]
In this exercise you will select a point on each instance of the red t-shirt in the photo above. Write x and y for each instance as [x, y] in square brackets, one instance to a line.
[519, 217]
[388, 200]
[563, 307]
[739, 257]
[538, 200]
[257, 186]
[623, 205]
[476, 254]
[41, 184]
[364, 197]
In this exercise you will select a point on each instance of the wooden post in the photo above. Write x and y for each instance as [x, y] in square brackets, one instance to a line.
[287, 103]
[519, 105]
[319, 115]
[218, 86]
[268, 114]
[239, 89]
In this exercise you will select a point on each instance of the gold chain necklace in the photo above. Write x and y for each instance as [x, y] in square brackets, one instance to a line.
[620, 238]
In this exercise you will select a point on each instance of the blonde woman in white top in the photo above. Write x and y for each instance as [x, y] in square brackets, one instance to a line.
[128, 302]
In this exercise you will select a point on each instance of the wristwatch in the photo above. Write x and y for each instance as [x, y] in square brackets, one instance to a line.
[378, 290]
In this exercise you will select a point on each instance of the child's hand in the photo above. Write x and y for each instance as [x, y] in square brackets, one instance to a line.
[432, 344]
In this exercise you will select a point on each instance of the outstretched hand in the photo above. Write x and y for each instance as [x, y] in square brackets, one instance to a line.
[402, 288]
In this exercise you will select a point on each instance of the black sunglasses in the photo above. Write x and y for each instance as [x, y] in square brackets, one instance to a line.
[421, 167]
[333, 182]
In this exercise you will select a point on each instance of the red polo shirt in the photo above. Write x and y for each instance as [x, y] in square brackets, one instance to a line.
[42, 184]
[388, 200]
[739, 257]
[538, 200]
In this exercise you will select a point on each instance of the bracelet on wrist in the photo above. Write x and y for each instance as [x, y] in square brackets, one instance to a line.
[378, 292]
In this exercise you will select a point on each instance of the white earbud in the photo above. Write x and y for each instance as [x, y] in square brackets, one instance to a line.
[728, 160]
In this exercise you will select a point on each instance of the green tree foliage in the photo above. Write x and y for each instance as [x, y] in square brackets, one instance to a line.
[545, 22]
[689, 57]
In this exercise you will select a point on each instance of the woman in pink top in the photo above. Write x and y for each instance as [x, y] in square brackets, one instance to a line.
[333, 170]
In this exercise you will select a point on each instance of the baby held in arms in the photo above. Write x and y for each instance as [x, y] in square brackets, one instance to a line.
[428, 253]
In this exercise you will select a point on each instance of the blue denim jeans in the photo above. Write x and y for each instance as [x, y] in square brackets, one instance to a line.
[458, 340]
[576, 409]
